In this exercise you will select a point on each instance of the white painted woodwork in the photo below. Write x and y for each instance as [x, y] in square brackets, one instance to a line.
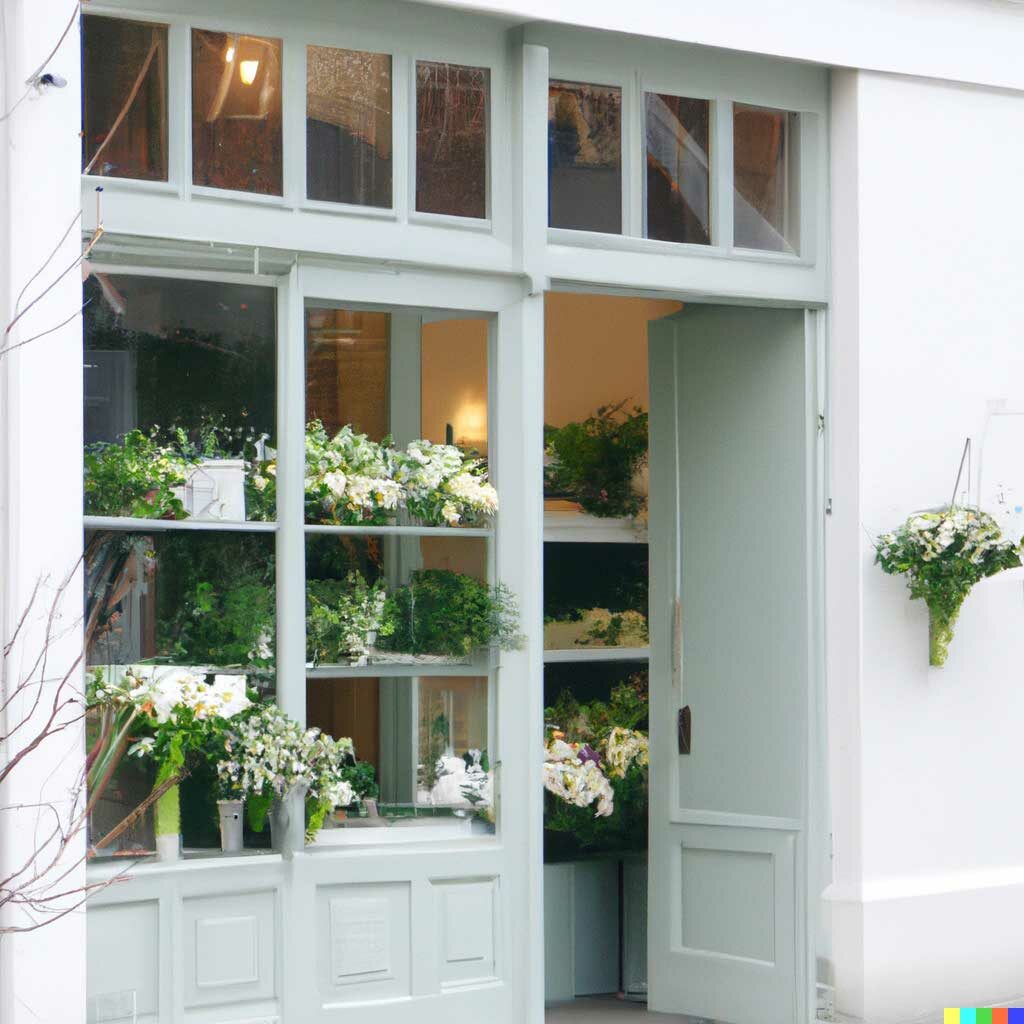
[731, 639]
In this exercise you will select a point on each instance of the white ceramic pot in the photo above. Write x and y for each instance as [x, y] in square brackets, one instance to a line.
[168, 847]
[231, 825]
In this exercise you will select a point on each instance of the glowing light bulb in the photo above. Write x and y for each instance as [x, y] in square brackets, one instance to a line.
[247, 70]
[230, 55]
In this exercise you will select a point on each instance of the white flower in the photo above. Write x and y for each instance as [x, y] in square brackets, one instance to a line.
[143, 748]
[336, 483]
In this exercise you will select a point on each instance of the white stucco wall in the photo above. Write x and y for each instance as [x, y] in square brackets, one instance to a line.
[926, 777]
[42, 973]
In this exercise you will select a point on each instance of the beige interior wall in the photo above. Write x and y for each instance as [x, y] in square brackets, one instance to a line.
[596, 352]
[454, 381]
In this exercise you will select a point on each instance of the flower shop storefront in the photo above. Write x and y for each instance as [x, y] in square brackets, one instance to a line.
[417, 439]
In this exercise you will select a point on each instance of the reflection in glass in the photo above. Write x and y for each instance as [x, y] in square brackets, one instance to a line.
[236, 112]
[765, 172]
[585, 157]
[396, 601]
[348, 126]
[678, 166]
[124, 98]
[595, 595]
[427, 738]
[179, 396]
[451, 139]
[180, 598]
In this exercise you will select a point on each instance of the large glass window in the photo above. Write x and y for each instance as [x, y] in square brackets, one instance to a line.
[348, 126]
[765, 166]
[236, 112]
[585, 157]
[179, 398]
[402, 611]
[678, 198]
[451, 139]
[124, 98]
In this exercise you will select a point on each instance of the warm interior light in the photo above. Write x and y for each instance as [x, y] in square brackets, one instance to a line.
[247, 70]
[230, 55]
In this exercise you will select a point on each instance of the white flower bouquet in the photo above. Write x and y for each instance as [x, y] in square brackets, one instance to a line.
[943, 554]
[442, 486]
[572, 772]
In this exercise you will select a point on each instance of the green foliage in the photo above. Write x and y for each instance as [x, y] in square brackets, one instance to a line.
[134, 478]
[448, 613]
[594, 461]
[362, 777]
[216, 600]
[943, 554]
[342, 616]
[592, 721]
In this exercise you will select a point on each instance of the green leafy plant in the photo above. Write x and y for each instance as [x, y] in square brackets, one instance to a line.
[943, 554]
[594, 461]
[135, 477]
[344, 617]
[442, 612]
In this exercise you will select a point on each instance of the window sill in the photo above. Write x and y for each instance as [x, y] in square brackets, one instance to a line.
[114, 184]
[129, 525]
[444, 220]
[253, 198]
[348, 210]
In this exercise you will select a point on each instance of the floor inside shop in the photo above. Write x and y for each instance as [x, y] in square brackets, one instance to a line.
[608, 1010]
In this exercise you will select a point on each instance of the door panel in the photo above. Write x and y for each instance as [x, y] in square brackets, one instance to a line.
[730, 440]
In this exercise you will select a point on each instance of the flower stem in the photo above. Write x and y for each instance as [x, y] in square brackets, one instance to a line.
[940, 634]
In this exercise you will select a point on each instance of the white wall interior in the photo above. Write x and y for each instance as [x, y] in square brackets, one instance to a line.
[929, 855]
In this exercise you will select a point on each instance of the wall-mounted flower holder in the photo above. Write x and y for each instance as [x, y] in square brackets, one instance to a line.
[943, 554]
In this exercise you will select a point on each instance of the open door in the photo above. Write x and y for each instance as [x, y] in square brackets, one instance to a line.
[731, 429]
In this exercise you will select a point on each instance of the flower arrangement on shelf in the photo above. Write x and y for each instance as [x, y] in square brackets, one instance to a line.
[175, 715]
[268, 755]
[354, 481]
[181, 717]
[464, 782]
[175, 474]
[344, 619]
[595, 462]
[440, 613]
[595, 772]
[943, 554]
[137, 477]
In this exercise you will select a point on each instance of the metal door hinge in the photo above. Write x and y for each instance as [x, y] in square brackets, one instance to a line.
[821, 423]
[684, 726]
[828, 506]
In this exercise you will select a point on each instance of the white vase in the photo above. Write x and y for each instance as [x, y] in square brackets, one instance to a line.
[168, 847]
[231, 825]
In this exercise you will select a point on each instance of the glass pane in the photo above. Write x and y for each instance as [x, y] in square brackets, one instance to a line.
[451, 139]
[236, 112]
[595, 595]
[425, 741]
[400, 601]
[124, 98]
[765, 187]
[348, 126]
[396, 416]
[678, 169]
[199, 599]
[585, 157]
[179, 398]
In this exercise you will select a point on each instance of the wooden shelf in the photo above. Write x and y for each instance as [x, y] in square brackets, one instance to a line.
[598, 654]
[580, 528]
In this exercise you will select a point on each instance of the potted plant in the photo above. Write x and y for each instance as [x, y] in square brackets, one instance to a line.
[344, 619]
[597, 462]
[943, 554]
[440, 613]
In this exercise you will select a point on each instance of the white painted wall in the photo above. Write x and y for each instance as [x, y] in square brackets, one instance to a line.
[42, 973]
[929, 856]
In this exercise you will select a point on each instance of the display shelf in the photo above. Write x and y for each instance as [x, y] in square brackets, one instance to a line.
[401, 531]
[403, 670]
[126, 524]
[579, 528]
[598, 654]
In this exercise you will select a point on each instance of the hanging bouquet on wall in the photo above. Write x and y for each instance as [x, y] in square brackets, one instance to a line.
[596, 771]
[943, 554]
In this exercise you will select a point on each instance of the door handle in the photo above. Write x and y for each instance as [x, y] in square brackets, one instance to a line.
[684, 726]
